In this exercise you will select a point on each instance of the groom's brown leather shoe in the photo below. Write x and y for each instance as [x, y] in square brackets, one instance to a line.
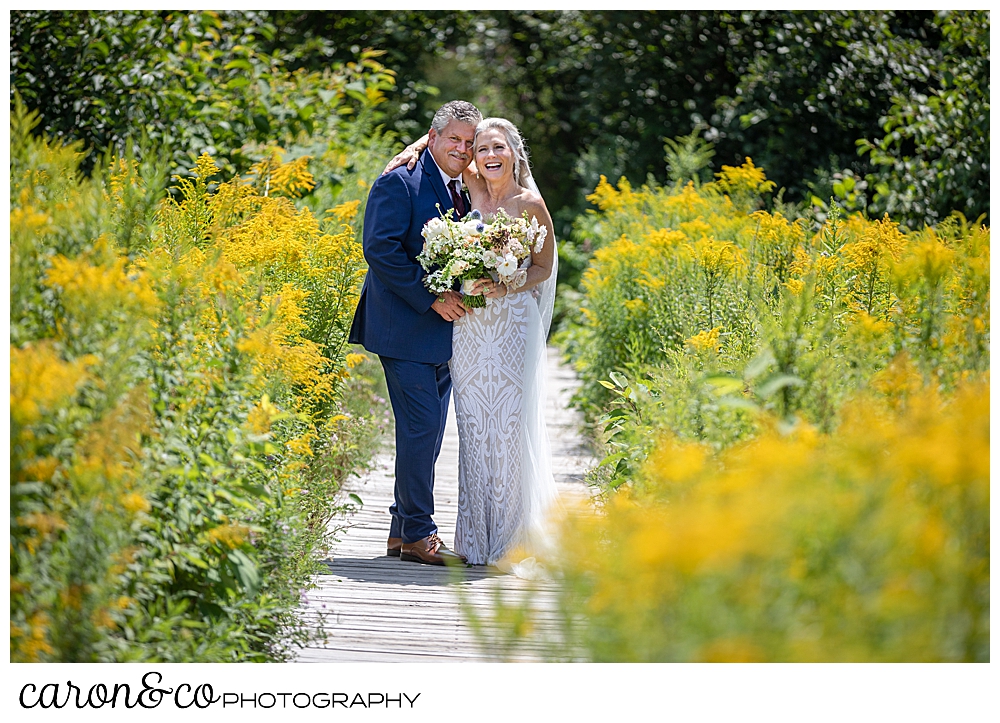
[430, 551]
[393, 546]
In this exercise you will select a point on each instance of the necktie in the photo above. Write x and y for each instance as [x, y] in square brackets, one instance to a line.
[456, 198]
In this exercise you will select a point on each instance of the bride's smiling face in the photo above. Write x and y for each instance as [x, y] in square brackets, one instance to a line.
[494, 158]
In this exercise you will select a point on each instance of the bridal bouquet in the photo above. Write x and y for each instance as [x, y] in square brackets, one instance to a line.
[474, 247]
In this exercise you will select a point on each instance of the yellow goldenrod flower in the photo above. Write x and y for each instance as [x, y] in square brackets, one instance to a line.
[40, 380]
[134, 503]
[705, 341]
[345, 212]
[302, 445]
[229, 535]
[352, 360]
[747, 179]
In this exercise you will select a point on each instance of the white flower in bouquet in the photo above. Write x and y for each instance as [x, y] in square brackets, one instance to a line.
[536, 234]
[508, 266]
[435, 281]
[473, 227]
[434, 229]
[452, 253]
[462, 251]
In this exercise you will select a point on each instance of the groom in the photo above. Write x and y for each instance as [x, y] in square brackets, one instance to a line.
[409, 327]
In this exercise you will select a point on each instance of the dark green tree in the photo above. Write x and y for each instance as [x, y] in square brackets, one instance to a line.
[895, 101]
[933, 155]
[192, 81]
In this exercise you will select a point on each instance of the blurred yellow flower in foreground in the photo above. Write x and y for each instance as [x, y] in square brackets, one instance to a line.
[869, 544]
[40, 380]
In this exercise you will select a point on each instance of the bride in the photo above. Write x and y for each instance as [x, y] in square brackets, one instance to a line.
[505, 484]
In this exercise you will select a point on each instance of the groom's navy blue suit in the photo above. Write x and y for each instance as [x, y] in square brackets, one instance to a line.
[395, 320]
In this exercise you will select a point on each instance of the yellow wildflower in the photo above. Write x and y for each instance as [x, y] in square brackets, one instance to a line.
[43, 523]
[745, 180]
[302, 445]
[101, 618]
[695, 229]
[716, 257]
[930, 260]
[665, 239]
[28, 645]
[91, 290]
[40, 381]
[260, 417]
[899, 379]
[687, 205]
[345, 212]
[880, 240]
[229, 535]
[291, 179]
[135, 503]
[123, 602]
[605, 197]
[677, 462]
[795, 286]
[40, 469]
[352, 360]
[27, 219]
[705, 341]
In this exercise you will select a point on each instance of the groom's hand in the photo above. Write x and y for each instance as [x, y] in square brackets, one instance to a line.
[449, 305]
[408, 157]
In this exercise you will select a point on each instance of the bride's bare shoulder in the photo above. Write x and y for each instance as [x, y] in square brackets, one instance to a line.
[528, 196]
[532, 203]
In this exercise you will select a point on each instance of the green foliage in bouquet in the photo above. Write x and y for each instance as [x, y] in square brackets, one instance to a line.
[476, 247]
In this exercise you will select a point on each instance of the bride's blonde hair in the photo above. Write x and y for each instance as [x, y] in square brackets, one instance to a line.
[522, 170]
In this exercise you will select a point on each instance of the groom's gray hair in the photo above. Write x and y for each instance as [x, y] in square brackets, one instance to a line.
[459, 110]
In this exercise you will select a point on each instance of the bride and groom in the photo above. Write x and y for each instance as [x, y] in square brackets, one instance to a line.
[431, 345]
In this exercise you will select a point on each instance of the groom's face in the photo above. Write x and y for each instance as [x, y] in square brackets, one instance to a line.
[452, 147]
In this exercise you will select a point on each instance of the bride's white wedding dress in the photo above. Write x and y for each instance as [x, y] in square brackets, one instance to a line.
[505, 484]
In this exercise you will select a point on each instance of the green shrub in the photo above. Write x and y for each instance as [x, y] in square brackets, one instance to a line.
[797, 428]
[182, 406]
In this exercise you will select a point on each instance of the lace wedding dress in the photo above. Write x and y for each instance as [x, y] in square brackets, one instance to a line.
[505, 484]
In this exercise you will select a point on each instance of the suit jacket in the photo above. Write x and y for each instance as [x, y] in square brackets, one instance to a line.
[394, 316]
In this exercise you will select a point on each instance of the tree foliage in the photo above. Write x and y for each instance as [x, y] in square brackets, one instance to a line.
[896, 100]
[933, 156]
[198, 82]
[598, 91]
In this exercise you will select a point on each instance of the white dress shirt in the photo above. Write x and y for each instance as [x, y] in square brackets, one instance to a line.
[444, 176]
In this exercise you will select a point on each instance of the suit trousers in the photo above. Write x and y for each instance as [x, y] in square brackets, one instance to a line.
[419, 394]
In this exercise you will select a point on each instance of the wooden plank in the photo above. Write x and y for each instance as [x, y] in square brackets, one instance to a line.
[375, 608]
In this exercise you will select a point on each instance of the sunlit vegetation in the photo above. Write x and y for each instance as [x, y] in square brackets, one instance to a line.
[796, 423]
[183, 404]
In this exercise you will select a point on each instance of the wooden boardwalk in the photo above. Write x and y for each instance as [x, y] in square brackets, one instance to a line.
[375, 608]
